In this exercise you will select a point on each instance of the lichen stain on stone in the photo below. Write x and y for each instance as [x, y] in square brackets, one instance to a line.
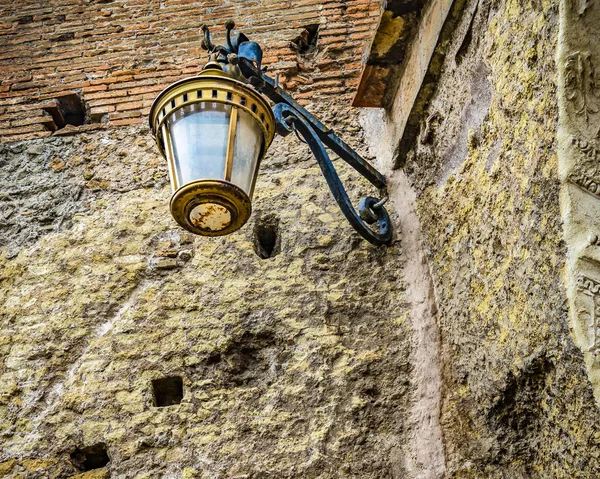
[390, 31]
[513, 374]
[288, 364]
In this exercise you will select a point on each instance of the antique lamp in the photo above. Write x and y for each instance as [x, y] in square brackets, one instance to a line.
[214, 129]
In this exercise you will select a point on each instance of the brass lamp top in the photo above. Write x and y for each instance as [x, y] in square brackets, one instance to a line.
[211, 85]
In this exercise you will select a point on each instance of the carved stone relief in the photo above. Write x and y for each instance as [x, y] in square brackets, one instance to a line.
[589, 312]
[593, 239]
[588, 184]
[580, 83]
[587, 147]
[579, 167]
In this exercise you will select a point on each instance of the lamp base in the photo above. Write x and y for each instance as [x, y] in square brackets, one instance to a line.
[211, 207]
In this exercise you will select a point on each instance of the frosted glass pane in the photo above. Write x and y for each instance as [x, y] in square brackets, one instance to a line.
[248, 143]
[199, 134]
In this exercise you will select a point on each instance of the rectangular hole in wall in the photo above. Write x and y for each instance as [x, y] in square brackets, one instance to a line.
[67, 109]
[25, 20]
[167, 391]
[306, 42]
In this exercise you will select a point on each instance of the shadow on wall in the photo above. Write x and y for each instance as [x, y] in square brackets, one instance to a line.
[472, 118]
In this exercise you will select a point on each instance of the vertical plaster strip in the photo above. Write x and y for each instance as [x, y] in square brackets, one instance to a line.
[425, 458]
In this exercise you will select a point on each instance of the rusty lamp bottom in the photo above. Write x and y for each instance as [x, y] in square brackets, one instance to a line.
[211, 207]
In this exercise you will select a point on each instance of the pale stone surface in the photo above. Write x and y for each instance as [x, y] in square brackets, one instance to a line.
[424, 453]
[578, 165]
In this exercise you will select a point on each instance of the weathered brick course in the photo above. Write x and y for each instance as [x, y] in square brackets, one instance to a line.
[110, 53]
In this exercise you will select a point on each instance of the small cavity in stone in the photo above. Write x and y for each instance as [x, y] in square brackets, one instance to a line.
[90, 457]
[306, 42]
[167, 391]
[67, 109]
[267, 240]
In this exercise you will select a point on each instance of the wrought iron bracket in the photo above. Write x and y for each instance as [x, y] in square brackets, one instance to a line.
[371, 210]
[243, 59]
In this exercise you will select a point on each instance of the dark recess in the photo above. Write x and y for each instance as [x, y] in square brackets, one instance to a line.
[68, 109]
[306, 42]
[91, 457]
[167, 391]
[64, 37]
[402, 7]
[267, 240]
[519, 413]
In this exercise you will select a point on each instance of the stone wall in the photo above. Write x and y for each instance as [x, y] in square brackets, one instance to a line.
[290, 339]
[578, 167]
[484, 176]
[301, 350]
[293, 366]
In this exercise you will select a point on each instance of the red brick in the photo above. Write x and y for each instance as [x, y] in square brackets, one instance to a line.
[102, 109]
[21, 137]
[33, 120]
[134, 105]
[126, 121]
[146, 89]
[121, 56]
[93, 88]
[23, 129]
[109, 80]
[124, 114]
[106, 94]
[72, 130]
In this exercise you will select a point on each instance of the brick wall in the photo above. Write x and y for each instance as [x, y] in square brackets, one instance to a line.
[117, 55]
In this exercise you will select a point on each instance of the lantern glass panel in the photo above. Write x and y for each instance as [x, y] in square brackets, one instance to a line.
[248, 145]
[199, 134]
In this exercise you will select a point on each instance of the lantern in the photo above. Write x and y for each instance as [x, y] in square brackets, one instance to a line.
[214, 131]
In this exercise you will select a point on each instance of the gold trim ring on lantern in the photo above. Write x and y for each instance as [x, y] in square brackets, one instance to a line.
[217, 192]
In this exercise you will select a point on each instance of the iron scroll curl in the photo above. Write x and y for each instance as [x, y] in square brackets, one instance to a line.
[370, 208]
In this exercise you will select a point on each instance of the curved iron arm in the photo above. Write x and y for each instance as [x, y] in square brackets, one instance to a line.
[248, 61]
[246, 58]
[371, 209]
